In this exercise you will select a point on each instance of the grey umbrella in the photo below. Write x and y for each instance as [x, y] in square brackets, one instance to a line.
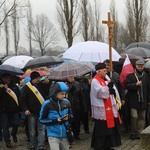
[133, 58]
[139, 51]
[138, 44]
[70, 69]
[43, 61]
[10, 69]
[147, 65]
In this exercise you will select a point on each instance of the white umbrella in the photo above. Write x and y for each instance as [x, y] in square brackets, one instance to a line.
[17, 61]
[90, 51]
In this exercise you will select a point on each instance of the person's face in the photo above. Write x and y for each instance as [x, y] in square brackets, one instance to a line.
[61, 95]
[36, 80]
[46, 80]
[71, 79]
[107, 66]
[6, 80]
[102, 72]
[140, 67]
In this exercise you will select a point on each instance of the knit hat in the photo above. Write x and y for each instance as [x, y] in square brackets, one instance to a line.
[100, 66]
[34, 75]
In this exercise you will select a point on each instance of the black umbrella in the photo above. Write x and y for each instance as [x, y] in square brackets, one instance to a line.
[139, 51]
[10, 69]
[43, 61]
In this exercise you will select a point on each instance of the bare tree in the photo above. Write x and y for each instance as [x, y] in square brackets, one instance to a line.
[6, 31]
[85, 12]
[44, 33]
[15, 30]
[137, 19]
[91, 28]
[96, 24]
[114, 15]
[67, 17]
[28, 30]
[9, 6]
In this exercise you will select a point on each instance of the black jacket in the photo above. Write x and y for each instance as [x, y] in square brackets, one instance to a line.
[28, 100]
[7, 103]
[132, 88]
[75, 97]
[118, 84]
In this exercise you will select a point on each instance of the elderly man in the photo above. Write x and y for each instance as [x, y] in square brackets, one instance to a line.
[30, 102]
[137, 86]
[104, 112]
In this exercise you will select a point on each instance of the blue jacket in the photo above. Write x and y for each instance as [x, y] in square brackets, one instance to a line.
[53, 109]
[49, 114]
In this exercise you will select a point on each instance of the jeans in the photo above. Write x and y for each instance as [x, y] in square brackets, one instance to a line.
[58, 143]
[137, 120]
[7, 120]
[35, 125]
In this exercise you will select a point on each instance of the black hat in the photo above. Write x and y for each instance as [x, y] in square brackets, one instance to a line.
[100, 66]
[34, 75]
[140, 62]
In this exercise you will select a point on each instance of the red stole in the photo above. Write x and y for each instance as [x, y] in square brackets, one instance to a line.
[107, 105]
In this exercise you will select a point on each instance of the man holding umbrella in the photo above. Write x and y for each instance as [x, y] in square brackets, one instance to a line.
[9, 108]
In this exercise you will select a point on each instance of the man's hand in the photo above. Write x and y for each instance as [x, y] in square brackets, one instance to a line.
[139, 83]
[122, 102]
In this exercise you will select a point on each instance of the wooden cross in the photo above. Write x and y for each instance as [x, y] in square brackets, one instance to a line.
[110, 25]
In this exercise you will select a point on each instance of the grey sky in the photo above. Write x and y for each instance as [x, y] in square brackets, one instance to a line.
[49, 8]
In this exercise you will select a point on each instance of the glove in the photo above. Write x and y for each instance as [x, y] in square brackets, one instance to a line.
[112, 91]
[110, 84]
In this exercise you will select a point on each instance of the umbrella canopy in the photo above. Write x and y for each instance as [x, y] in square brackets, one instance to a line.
[147, 65]
[10, 69]
[138, 44]
[17, 61]
[90, 51]
[133, 58]
[41, 72]
[143, 52]
[70, 69]
[43, 61]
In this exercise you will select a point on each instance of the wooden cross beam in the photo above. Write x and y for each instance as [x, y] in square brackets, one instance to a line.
[110, 25]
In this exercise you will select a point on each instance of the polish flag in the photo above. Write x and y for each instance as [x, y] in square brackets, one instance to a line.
[126, 69]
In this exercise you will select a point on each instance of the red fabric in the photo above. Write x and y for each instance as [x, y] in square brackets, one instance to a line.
[126, 69]
[108, 106]
[41, 72]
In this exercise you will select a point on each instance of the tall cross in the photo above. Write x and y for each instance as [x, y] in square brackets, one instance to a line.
[110, 25]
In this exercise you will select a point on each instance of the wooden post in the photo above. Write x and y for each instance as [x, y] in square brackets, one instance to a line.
[110, 25]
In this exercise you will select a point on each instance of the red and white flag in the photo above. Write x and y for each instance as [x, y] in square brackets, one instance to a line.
[126, 69]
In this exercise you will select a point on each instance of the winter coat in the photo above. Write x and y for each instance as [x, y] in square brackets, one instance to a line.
[7, 103]
[132, 88]
[53, 109]
[28, 101]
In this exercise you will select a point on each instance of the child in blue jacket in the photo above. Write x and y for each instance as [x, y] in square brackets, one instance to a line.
[55, 114]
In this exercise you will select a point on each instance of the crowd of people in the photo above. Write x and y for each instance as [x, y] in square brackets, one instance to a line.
[49, 107]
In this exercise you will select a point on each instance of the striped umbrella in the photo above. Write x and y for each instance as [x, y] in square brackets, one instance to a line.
[70, 69]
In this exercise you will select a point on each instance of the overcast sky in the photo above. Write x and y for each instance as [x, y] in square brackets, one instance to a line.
[49, 8]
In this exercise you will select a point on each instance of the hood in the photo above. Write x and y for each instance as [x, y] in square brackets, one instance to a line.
[57, 88]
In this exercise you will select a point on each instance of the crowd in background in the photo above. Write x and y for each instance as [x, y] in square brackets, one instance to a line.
[73, 101]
